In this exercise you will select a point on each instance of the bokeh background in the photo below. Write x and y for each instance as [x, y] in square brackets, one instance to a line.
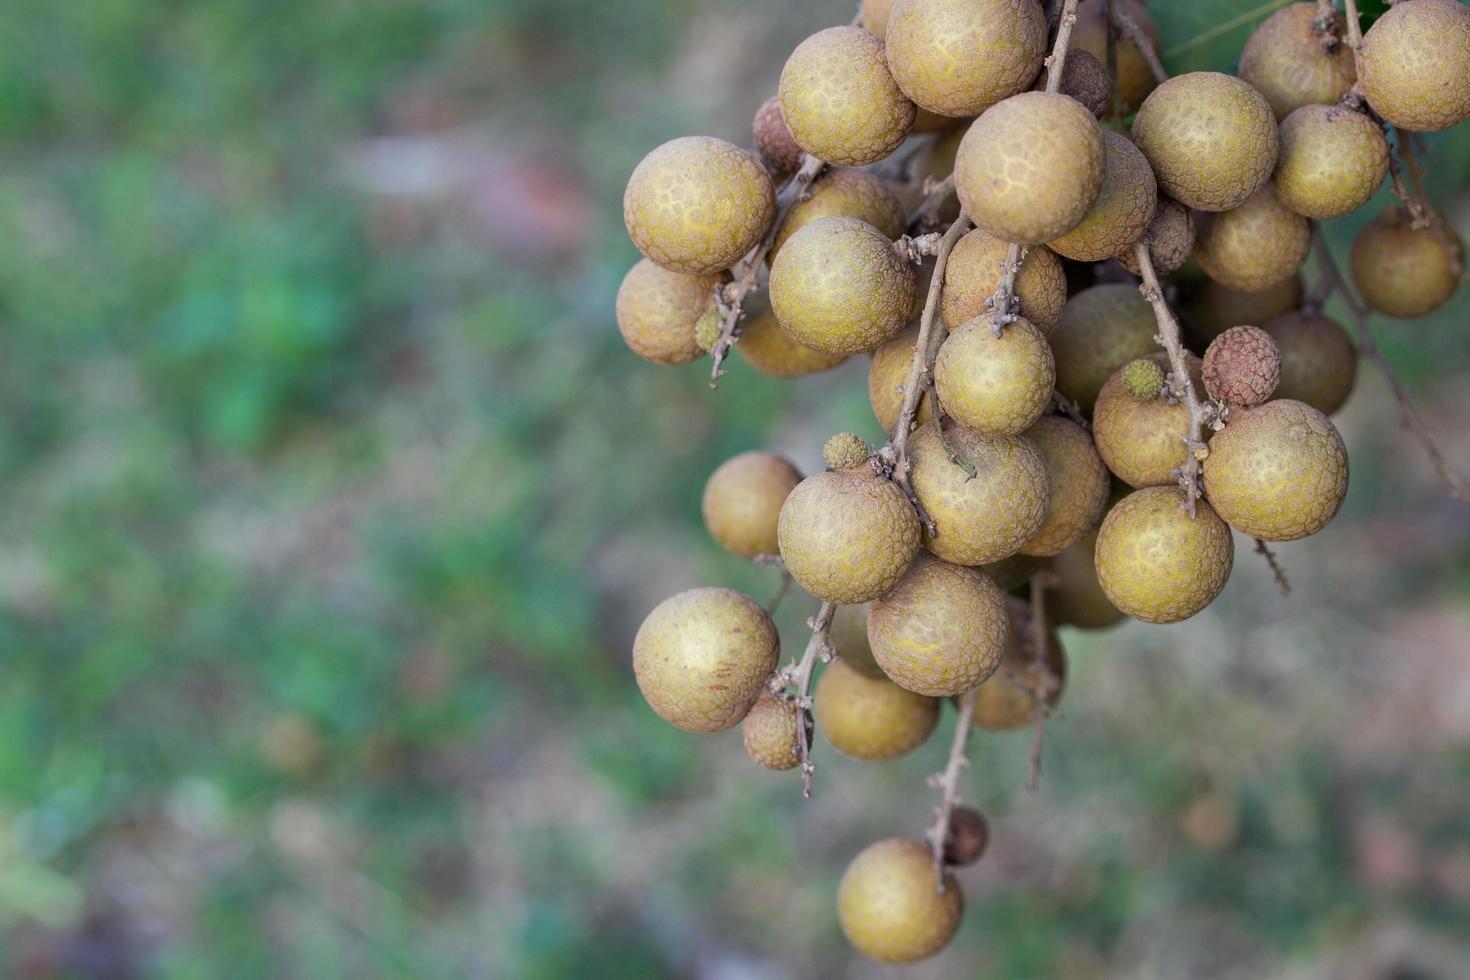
[332, 499]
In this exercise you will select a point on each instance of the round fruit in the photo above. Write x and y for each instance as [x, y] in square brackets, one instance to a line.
[766, 345]
[942, 629]
[1030, 167]
[657, 310]
[1210, 138]
[888, 374]
[1090, 34]
[871, 718]
[1170, 236]
[1255, 245]
[1242, 367]
[1416, 64]
[1078, 481]
[967, 838]
[1292, 63]
[1158, 564]
[1009, 699]
[840, 100]
[847, 535]
[742, 501]
[1405, 271]
[770, 732]
[1085, 79]
[1144, 379]
[847, 193]
[697, 204]
[1277, 472]
[1075, 597]
[889, 907]
[702, 657]
[1102, 329]
[845, 450]
[1214, 308]
[1319, 361]
[874, 16]
[1124, 207]
[1332, 160]
[960, 57]
[974, 274]
[995, 384]
[849, 635]
[1142, 441]
[773, 139]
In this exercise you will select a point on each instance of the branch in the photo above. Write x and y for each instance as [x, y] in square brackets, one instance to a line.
[936, 196]
[949, 781]
[1043, 673]
[1355, 41]
[799, 675]
[1130, 29]
[1057, 60]
[1002, 302]
[1277, 572]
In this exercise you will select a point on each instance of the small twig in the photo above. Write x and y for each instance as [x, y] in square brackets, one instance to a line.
[1003, 301]
[1354, 40]
[1130, 29]
[1057, 60]
[949, 782]
[936, 196]
[1069, 408]
[916, 247]
[799, 676]
[1043, 674]
[1277, 572]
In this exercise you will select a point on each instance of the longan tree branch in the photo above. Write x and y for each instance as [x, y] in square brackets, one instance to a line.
[1057, 60]
[799, 675]
[1129, 28]
[1043, 673]
[949, 782]
[1277, 572]
[936, 196]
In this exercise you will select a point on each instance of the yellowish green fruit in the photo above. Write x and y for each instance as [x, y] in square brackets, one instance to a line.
[1332, 161]
[844, 451]
[1319, 361]
[742, 501]
[770, 734]
[871, 718]
[708, 329]
[841, 103]
[847, 535]
[1242, 367]
[888, 374]
[974, 273]
[849, 635]
[846, 193]
[657, 311]
[890, 907]
[1075, 597]
[1405, 271]
[1090, 34]
[1170, 237]
[1009, 699]
[1123, 209]
[1102, 328]
[1255, 245]
[1078, 481]
[768, 348]
[995, 384]
[1292, 62]
[1142, 441]
[1416, 64]
[1158, 564]
[1214, 308]
[960, 57]
[1143, 379]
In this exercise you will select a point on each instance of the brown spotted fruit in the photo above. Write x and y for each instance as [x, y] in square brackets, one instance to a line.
[1255, 245]
[1157, 563]
[1102, 328]
[769, 732]
[997, 382]
[889, 906]
[840, 100]
[847, 535]
[1416, 64]
[1078, 480]
[1121, 213]
[871, 718]
[657, 310]
[1319, 361]
[773, 139]
[1085, 79]
[974, 274]
[960, 57]
[1405, 271]
[1170, 237]
[742, 501]
[1142, 440]
[1295, 58]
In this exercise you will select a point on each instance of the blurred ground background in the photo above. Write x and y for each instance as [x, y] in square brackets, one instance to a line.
[331, 500]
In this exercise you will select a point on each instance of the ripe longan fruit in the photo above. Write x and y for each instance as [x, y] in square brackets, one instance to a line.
[941, 630]
[1102, 328]
[1090, 34]
[1332, 161]
[1158, 564]
[839, 286]
[657, 310]
[768, 348]
[1142, 441]
[1255, 245]
[1076, 598]
[871, 718]
[1210, 138]
[1085, 79]
[847, 535]
[1123, 209]
[1078, 481]
[742, 501]
[840, 100]
[702, 657]
[1405, 271]
[974, 274]
[889, 906]
[770, 734]
[773, 139]
[960, 57]
[995, 384]
[697, 204]
[1214, 308]
[1416, 64]
[887, 375]
[1292, 64]
[987, 517]
[1008, 700]
[849, 635]
[846, 193]
[1319, 361]
[1170, 236]
[1277, 472]
[1242, 367]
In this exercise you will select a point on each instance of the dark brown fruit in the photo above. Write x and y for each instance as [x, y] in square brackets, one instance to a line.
[1242, 367]
[967, 839]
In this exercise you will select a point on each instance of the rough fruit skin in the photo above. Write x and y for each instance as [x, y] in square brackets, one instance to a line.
[1076, 598]
[1214, 308]
[871, 718]
[1242, 367]
[1255, 245]
[990, 516]
[1085, 79]
[1332, 160]
[1090, 34]
[1210, 138]
[941, 630]
[1416, 64]
[1008, 700]
[702, 657]
[769, 733]
[1142, 442]
[974, 274]
[995, 384]
[768, 348]
[1170, 236]
[1158, 564]
[1103, 328]
[848, 193]
[742, 501]
[850, 640]
[1319, 361]
[1078, 481]
[889, 907]
[887, 375]
[845, 450]
[1403, 271]
[1123, 209]
[1143, 379]
[847, 536]
[697, 204]
[840, 287]
[840, 100]
[1291, 65]
[1277, 472]
[657, 310]
[960, 57]
[773, 139]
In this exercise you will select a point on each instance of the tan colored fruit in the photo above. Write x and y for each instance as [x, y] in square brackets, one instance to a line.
[1170, 236]
[995, 384]
[846, 193]
[1242, 367]
[840, 100]
[1090, 34]
[987, 517]
[1075, 597]
[1292, 63]
[1405, 271]
[1085, 79]
[941, 630]
[847, 535]
[770, 734]
[1030, 167]
[697, 204]
[1008, 700]
[871, 718]
[889, 906]
[1332, 161]
[1416, 64]
[1210, 138]
[960, 57]
[742, 501]
[773, 139]
[1277, 472]
[888, 374]
[874, 16]
[1255, 245]
[1214, 308]
[1142, 441]
[702, 657]
[967, 838]
[850, 639]
[1158, 564]
[1103, 328]
[1123, 209]
[768, 348]
[657, 310]
[1078, 481]
[974, 273]
[1319, 361]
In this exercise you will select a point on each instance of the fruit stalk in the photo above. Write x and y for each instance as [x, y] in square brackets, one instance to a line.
[1058, 59]
[949, 783]
[1277, 572]
[1129, 28]
[819, 646]
[1355, 41]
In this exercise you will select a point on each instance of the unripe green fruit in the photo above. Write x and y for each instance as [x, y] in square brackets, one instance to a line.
[1332, 160]
[840, 287]
[773, 139]
[1158, 564]
[995, 384]
[846, 193]
[987, 517]
[871, 718]
[708, 329]
[974, 274]
[1214, 308]
[1085, 79]
[844, 451]
[1210, 138]
[1291, 64]
[1405, 271]
[702, 657]
[849, 635]
[888, 374]
[1319, 361]
[840, 100]
[1277, 472]
[1242, 367]
[1170, 236]
[889, 906]
[1102, 329]
[697, 204]
[1075, 597]
[1143, 379]
[941, 630]
[742, 501]
[960, 57]
[1416, 64]
[1008, 700]
[770, 733]
[1078, 481]
[657, 311]
[768, 348]
[1123, 209]
[1142, 442]
[1030, 167]
[847, 535]
[1255, 245]
[1090, 34]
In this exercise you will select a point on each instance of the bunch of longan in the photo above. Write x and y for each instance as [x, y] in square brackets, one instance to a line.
[1047, 462]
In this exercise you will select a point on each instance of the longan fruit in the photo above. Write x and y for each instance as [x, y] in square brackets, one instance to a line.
[887, 375]
[1142, 441]
[1416, 64]
[1008, 700]
[1405, 271]
[1076, 598]
[967, 838]
[657, 310]
[847, 193]
[1214, 308]
[1090, 34]
[974, 274]
[1211, 139]
[849, 635]
[1078, 480]
[889, 906]
[871, 718]
[1255, 245]
[1170, 237]
[1242, 367]
[1332, 161]
[697, 204]
[840, 100]
[1292, 64]
[995, 384]
[1123, 209]
[1158, 564]
[1102, 328]
[1085, 79]
[742, 501]
[773, 139]
[770, 733]
[768, 348]
[702, 657]
[847, 535]
[960, 57]
[1319, 361]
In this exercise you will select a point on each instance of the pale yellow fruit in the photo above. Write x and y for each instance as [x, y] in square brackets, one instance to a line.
[1158, 564]
[657, 310]
[1075, 597]
[1416, 64]
[888, 374]
[1292, 64]
[1255, 245]
[1123, 209]
[871, 718]
[960, 57]
[840, 100]
[974, 273]
[768, 348]
[998, 384]
[847, 535]
[1078, 481]
[889, 906]
[742, 501]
